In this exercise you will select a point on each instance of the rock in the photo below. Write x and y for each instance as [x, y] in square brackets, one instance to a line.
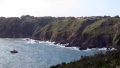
[83, 48]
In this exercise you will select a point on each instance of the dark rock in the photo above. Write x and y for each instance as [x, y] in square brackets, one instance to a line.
[83, 48]
[55, 43]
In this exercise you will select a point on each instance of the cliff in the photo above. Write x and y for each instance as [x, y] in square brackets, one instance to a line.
[83, 33]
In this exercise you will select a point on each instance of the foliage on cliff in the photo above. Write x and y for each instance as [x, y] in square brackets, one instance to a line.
[104, 32]
[108, 60]
[81, 32]
[22, 27]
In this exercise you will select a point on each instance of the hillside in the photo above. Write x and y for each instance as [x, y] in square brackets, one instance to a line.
[79, 32]
[83, 33]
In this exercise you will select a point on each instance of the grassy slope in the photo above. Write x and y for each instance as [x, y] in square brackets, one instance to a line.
[104, 26]
[108, 26]
[58, 27]
[92, 26]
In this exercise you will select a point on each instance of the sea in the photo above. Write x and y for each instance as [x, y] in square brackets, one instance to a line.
[40, 54]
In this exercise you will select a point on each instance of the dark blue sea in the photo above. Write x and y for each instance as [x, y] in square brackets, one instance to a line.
[40, 54]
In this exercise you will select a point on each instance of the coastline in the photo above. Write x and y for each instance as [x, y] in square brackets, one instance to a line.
[76, 48]
[72, 47]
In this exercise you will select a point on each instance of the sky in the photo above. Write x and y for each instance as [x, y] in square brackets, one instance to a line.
[59, 8]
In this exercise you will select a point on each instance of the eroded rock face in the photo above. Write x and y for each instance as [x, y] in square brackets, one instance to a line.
[82, 41]
[81, 33]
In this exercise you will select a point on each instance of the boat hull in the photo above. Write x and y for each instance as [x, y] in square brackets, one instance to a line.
[13, 51]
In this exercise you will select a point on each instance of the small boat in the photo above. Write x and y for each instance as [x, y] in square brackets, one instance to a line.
[14, 51]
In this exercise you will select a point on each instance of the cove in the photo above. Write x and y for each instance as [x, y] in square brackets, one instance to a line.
[37, 55]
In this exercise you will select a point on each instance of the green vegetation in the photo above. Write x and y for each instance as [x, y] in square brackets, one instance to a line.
[58, 27]
[108, 60]
[25, 26]
[116, 39]
[61, 29]
[93, 26]
[104, 26]
[83, 32]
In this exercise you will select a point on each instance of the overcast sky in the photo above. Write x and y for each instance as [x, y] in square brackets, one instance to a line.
[76, 8]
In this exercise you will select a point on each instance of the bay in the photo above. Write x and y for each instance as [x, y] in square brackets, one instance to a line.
[37, 55]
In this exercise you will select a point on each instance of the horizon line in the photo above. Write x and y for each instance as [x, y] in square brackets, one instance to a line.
[60, 16]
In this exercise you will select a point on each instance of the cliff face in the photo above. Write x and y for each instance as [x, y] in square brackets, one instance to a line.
[82, 41]
[81, 33]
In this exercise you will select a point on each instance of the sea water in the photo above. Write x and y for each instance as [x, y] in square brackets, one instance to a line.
[40, 54]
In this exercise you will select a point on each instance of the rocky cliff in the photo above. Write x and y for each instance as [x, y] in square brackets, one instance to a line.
[81, 33]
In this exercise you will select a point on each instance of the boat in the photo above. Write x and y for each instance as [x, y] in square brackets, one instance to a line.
[14, 51]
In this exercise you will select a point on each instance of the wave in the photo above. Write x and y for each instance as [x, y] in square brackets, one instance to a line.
[47, 42]
[75, 48]
[100, 49]
[32, 41]
[63, 46]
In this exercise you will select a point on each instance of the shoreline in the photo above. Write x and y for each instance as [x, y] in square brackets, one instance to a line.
[79, 48]
[74, 47]
[67, 45]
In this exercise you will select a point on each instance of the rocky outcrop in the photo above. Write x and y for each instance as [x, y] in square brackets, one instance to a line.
[82, 33]
[81, 41]
[86, 41]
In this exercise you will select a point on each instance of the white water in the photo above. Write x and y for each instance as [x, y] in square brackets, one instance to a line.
[37, 55]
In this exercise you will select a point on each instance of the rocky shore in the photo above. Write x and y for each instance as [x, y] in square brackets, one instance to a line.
[82, 33]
